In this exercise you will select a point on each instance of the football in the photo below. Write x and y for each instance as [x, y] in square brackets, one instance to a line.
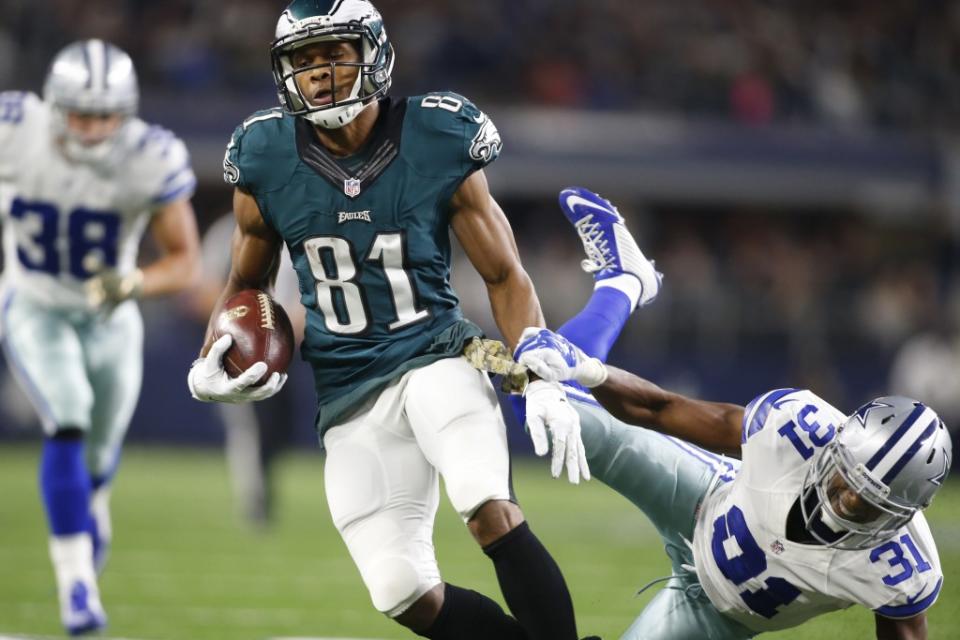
[261, 332]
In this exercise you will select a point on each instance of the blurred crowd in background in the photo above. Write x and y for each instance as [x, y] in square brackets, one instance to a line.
[840, 299]
[848, 63]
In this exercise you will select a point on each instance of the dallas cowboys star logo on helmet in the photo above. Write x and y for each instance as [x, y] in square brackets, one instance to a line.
[938, 479]
[865, 410]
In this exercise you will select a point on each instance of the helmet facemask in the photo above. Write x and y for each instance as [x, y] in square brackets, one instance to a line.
[835, 470]
[375, 64]
[75, 148]
[893, 453]
[95, 78]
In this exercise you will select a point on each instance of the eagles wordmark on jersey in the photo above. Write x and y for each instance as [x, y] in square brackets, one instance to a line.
[368, 234]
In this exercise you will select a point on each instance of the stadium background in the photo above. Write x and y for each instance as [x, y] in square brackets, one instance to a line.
[793, 167]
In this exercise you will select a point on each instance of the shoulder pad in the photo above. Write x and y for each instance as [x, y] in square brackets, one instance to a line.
[756, 413]
[789, 426]
[19, 111]
[907, 570]
[254, 160]
[160, 165]
[468, 129]
[16, 106]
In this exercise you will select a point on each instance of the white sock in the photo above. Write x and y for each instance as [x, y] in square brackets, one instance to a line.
[626, 283]
[72, 558]
[100, 510]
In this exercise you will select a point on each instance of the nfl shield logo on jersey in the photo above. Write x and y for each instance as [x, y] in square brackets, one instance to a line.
[351, 187]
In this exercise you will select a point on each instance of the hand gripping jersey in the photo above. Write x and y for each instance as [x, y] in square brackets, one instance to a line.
[368, 234]
[754, 574]
[65, 222]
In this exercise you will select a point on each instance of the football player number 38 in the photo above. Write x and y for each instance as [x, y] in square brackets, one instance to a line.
[340, 298]
[92, 239]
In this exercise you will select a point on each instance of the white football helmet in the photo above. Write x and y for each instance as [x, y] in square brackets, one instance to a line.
[895, 453]
[307, 21]
[90, 77]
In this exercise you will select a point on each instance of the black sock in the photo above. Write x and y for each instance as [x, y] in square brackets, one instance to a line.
[468, 615]
[533, 586]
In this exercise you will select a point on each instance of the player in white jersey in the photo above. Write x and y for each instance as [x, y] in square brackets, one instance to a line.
[81, 179]
[821, 512]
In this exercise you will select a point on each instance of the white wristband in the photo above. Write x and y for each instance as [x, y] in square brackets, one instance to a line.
[591, 373]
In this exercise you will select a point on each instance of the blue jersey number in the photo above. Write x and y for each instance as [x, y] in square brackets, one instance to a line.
[92, 238]
[807, 429]
[11, 106]
[749, 563]
[893, 550]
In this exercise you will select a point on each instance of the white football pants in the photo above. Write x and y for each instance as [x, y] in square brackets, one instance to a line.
[79, 370]
[383, 467]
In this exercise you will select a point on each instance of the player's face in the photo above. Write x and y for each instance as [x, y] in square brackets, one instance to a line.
[323, 71]
[848, 504]
[92, 128]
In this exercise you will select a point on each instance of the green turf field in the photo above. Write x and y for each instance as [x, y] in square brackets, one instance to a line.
[183, 567]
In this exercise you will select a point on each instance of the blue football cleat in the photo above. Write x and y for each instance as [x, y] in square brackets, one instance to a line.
[80, 609]
[611, 250]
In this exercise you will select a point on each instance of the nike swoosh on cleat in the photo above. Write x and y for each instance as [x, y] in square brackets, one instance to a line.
[572, 200]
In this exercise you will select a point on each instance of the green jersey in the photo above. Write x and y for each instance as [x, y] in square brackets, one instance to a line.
[368, 235]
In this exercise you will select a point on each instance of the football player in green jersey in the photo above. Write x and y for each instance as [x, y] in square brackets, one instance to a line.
[364, 189]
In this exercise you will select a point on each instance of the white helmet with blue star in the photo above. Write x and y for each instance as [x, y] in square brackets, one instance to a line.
[894, 452]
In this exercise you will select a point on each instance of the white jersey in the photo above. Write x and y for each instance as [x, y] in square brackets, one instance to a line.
[65, 222]
[755, 575]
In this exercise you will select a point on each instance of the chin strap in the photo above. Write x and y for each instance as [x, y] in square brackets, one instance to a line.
[831, 523]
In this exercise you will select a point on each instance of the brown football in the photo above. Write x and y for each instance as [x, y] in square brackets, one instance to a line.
[261, 332]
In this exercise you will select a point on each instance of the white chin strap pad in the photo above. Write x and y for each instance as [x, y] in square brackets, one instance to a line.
[831, 522]
[335, 117]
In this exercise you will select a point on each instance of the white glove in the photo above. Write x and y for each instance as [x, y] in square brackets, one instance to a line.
[209, 382]
[547, 407]
[555, 359]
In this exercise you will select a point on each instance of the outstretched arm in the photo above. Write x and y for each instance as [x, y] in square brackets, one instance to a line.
[914, 628]
[485, 235]
[712, 425]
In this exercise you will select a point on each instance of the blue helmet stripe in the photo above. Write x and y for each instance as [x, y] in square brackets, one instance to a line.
[895, 438]
[912, 451]
[86, 61]
[106, 67]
